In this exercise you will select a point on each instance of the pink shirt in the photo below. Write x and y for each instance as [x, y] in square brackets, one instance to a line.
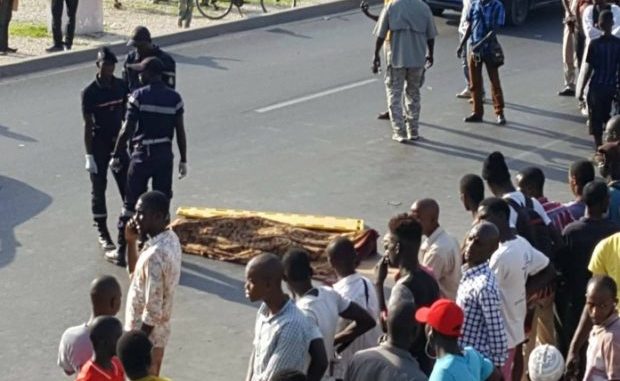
[603, 357]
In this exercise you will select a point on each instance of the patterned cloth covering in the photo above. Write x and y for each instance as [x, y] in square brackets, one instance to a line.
[239, 239]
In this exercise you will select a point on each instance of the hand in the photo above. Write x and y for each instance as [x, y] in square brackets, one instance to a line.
[364, 6]
[90, 165]
[459, 52]
[182, 170]
[429, 62]
[572, 365]
[115, 164]
[376, 64]
[381, 270]
[131, 232]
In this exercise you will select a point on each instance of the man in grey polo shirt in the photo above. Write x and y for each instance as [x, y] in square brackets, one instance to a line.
[412, 29]
[391, 360]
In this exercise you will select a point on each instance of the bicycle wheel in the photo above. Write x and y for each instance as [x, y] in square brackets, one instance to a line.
[214, 9]
[277, 5]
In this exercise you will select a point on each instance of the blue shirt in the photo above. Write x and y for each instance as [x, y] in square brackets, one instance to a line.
[614, 202]
[472, 366]
[154, 108]
[604, 57]
[484, 17]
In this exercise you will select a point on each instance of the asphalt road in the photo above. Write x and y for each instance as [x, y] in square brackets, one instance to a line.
[279, 119]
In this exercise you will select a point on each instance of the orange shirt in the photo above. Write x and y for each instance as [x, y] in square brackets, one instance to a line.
[93, 372]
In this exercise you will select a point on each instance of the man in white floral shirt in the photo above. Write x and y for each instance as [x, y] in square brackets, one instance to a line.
[154, 272]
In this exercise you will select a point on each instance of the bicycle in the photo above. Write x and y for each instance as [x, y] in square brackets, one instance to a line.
[217, 9]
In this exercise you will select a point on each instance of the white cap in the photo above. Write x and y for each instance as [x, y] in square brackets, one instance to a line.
[546, 364]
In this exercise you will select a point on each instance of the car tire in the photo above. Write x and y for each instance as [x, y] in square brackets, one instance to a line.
[516, 11]
[437, 11]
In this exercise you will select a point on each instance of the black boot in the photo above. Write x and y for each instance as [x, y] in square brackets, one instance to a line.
[119, 256]
[105, 241]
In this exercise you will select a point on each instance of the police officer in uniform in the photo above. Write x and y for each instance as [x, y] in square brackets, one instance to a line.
[144, 47]
[154, 115]
[103, 108]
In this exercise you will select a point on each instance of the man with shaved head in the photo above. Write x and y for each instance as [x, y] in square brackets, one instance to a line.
[75, 346]
[439, 250]
[478, 296]
[352, 286]
[283, 336]
[391, 360]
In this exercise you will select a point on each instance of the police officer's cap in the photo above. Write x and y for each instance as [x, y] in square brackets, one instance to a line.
[140, 34]
[105, 55]
[151, 64]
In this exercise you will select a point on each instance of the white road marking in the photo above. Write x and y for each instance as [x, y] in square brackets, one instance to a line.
[315, 95]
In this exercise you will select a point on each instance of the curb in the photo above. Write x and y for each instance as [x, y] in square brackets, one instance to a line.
[46, 62]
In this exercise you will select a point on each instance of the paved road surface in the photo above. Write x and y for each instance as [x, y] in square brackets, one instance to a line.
[278, 119]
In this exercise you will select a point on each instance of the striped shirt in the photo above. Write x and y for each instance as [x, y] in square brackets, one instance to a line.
[483, 17]
[155, 108]
[559, 214]
[604, 57]
[281, 341]
[483, 328]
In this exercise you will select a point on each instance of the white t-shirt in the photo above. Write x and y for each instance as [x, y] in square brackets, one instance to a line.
[519, 198]
[360, 290]
[75, 349]
[324, 310]
[512, 263]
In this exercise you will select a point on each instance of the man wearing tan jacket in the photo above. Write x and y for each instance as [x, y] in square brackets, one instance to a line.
[6, 11]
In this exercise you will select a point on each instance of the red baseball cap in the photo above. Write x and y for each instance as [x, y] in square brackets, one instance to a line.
[444, 316]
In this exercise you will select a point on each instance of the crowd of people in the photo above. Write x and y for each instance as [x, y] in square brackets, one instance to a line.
[532, 283]
[529, 293]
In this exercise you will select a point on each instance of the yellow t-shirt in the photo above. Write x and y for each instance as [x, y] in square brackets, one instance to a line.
[605, 258]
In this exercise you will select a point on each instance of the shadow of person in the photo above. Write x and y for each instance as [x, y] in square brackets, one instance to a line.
[207, 61]
[213, 282]
[19, 202]
[7, 133]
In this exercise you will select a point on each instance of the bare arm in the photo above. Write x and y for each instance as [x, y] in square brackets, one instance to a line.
[465, 38]
[366, 12]
[318, 360]
[181, 139]
[126, 131]
[362, 323]
[580, 338]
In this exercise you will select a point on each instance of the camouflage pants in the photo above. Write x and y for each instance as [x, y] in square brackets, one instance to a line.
[186, 8]
[408, 80]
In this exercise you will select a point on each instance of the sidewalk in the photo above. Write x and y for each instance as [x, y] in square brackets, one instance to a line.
[28, 28]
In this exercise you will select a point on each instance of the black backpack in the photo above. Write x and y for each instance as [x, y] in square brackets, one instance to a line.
[531, 226]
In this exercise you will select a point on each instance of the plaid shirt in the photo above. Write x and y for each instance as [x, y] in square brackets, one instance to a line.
[483, 328]
[559, 214]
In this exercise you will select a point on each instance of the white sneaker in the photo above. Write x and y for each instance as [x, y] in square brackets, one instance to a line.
[413, 136]
[398, 138]
[465, 94]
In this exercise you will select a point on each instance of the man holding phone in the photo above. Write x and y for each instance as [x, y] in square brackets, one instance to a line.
[412, 41]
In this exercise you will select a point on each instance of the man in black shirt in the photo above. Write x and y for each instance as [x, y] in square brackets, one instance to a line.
[103, 108]
[144, 47]
[414, 284]
[601, 71]
[580, 238]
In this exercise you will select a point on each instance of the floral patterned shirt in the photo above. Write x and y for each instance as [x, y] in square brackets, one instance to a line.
[153, 283]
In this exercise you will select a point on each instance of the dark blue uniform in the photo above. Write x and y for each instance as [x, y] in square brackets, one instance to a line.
[168, 75]
[154, 108]
[107, 106]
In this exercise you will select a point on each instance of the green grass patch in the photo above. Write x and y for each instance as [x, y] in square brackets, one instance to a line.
[26, 29]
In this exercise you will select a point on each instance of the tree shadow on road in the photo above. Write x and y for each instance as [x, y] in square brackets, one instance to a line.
[7, 133]
[213, 282]
[19, 202]
[287, 33]
[208, 61]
